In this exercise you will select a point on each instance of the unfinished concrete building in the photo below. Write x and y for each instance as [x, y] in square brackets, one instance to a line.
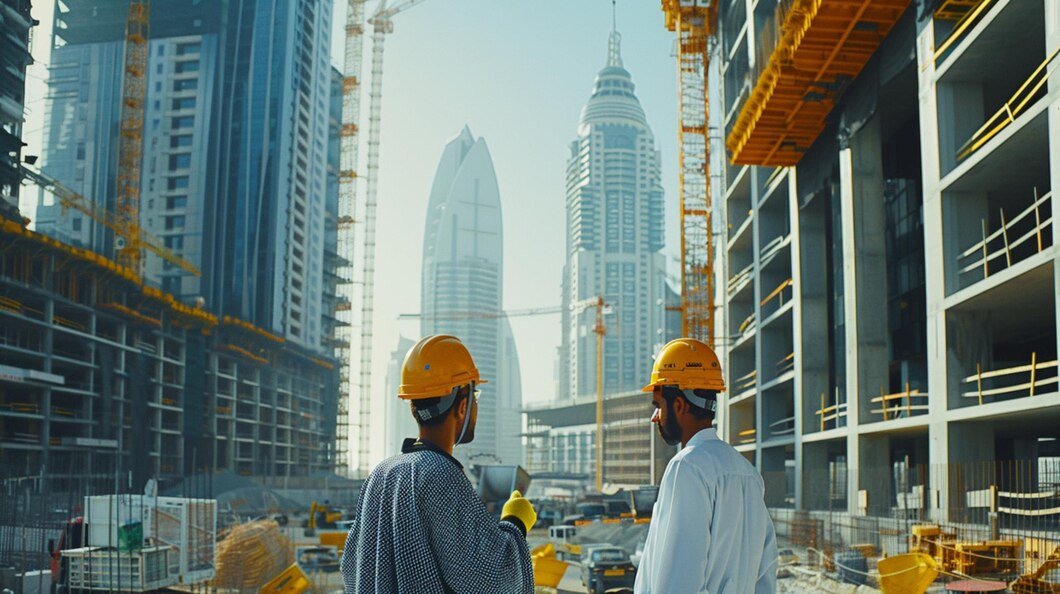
[890, 275]
[104, 377]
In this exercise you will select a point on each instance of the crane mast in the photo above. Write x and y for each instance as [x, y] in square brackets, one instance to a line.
[348, 153]
[130, 148]
[382, 24]
[693, 22]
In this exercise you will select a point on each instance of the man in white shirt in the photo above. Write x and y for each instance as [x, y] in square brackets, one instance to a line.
[710, 531]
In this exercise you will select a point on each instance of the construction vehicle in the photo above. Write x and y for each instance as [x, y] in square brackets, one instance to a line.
[292, 581]
[322, 516]
[607, 568]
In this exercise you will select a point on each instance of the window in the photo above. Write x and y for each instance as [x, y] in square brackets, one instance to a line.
[184, 49]
[180, 161]
[180, 141]
[171, 285]
[182, 122]
[77, 224]
[184, 103]
[176, 222]
[189, 84]
[174, 242]
[176, 202]
[177, 183]
[191, 66]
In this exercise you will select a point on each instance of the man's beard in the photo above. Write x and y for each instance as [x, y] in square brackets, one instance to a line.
[671, 432]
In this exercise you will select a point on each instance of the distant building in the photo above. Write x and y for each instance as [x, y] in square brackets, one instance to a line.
[561, 440]
[15, 23]
[399, 421]
[462, 289]
[615, 231]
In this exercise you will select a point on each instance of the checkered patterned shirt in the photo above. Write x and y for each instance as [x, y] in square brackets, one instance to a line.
[422, 529]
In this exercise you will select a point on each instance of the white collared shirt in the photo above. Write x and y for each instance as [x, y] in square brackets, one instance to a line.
[710, 530]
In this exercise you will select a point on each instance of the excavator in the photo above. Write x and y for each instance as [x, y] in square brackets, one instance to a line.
[322, 516]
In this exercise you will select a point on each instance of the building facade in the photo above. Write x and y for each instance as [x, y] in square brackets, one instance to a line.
[15, 24]
[399, 422]
[561, 440]
[235, 149]
[615, 234]
[890, 276]
[462, 288]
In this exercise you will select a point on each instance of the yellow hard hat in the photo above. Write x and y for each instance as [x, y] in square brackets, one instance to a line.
[435, 366]
[688, 364]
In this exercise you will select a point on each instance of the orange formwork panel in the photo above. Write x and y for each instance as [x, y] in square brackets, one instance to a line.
[821, 44]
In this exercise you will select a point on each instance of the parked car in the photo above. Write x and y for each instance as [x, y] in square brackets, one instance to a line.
[548, 517]
[606, 568]
[787, 557]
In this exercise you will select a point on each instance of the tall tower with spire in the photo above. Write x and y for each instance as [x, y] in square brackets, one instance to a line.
[615, 234]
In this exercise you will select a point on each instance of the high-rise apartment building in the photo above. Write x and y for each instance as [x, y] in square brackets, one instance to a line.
[399, 422]
[235, 149]
[615, 231]
[888, 260]
[462, 289]
[15, 23]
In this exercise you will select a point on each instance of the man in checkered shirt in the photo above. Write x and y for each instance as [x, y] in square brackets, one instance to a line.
[420, 526]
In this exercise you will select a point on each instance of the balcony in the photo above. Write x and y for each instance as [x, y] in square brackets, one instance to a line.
[807, 53]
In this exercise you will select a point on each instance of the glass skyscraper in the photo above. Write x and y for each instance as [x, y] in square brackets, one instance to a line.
[615, 234]
[235, 149]
[462, 290]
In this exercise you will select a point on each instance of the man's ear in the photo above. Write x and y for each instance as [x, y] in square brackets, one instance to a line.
[680, 406]
[461, 409]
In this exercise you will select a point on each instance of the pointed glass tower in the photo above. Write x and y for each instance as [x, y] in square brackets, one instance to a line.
[463, 265]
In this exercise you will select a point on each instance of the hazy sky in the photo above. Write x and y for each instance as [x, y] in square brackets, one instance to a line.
[517, 73]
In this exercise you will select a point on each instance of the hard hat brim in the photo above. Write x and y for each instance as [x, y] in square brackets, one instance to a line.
[436, 393]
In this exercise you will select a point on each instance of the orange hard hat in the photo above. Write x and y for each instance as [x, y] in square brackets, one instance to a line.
[688, 364]
[436, 365]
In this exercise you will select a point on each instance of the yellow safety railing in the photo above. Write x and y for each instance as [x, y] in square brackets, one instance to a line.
[981, 249]
[786, 364]
[831, 413]
[1034, 371]
[781, 427]
[746, 436]
[908, 401]
[966, 13]
[1011, 109]
[746, 381]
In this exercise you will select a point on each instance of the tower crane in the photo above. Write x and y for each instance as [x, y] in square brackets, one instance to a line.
[130, 146]
[599, 330]
[348, 153]
[693, 21]
[382, 24]
[134, 236]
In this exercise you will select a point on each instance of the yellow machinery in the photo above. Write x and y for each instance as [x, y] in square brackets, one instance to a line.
[548, 570]
[321, 516]
[907, 574]
[292, 581]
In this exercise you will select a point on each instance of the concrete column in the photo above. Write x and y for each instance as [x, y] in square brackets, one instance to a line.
[1052, 41]
[865, 254]
[798, 384]
[756, 257]
[934, 269]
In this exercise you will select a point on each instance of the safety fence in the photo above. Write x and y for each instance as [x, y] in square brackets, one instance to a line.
[986, 521]
[1011, 382]
[1015, 239]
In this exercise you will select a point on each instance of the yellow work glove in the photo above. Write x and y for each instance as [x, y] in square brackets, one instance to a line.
[518, 508]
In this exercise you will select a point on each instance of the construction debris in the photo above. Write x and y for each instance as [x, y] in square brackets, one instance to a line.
[250, 555]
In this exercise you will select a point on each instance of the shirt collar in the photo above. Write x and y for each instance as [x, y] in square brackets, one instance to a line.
[421, 445]
[703, 435]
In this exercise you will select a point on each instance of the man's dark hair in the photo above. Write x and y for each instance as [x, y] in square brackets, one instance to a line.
[670, 393]
[425, 403]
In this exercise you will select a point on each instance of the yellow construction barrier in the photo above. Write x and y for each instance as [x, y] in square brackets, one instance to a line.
[548, 571]
[333, 539]
[907, 574]
[291, 581]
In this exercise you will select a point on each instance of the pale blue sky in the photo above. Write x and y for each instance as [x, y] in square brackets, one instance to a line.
[517, 73]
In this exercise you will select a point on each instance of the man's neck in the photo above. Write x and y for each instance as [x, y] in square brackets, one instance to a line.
[438, 438]
[692, 431]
